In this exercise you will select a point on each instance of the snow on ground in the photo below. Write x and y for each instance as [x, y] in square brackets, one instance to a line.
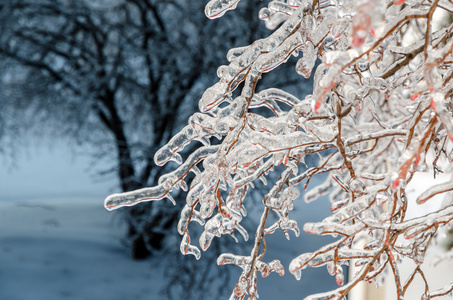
[56, 239]
[70, 250]
[65, 250]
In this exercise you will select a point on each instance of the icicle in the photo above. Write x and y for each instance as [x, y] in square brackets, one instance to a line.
[169, 197]
[305, 65]
[186, 214]
[286, 225]
[205, 240]
[184, 186]
[187, 248]
[339, 277]
[297, 274]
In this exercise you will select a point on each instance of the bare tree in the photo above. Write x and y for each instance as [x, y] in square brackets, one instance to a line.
[381, 107]
[118, 75]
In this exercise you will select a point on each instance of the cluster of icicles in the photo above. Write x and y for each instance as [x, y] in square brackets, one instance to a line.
[379, 105]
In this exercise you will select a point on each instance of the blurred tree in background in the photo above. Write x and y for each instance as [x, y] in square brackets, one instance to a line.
[118, 75]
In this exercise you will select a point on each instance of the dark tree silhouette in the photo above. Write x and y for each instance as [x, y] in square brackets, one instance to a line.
[120, 75]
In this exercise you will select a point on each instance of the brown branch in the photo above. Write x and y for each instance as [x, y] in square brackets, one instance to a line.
[428, 28]
[340, 143]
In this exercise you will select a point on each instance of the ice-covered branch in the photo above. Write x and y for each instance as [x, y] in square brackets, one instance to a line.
[378, 111]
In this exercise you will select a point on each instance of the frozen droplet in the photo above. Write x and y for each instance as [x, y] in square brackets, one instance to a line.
[357, 187]
[297, 274]
[217, 8]
[407, 83]
[331, 268]
[264, 269]
[339, 277]
[207, 208]
[277, 267]
[205, 240]
[382, 197]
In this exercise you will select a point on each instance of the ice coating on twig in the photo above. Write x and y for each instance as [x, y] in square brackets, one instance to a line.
[217, 8]
[132, 198]
[434, 190]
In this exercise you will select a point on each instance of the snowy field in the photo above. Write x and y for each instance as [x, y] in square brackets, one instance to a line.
[66, 251]
[56, 239]
[69, 250]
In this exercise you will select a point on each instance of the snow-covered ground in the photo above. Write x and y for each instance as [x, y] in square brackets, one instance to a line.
[56, 239]
[70, 250]
[67, 250]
